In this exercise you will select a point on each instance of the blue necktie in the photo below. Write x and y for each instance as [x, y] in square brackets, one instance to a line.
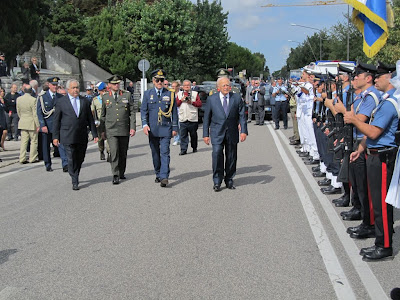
[225, 105]
[75, 106]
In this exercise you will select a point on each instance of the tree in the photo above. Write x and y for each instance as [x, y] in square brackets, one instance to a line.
[19, 25]
[390, 53]
[112, 43]
[210, 40]
[67, 29]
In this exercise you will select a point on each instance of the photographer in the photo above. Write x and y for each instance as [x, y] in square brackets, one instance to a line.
[257, 96]
[280, 93]
[188, 102]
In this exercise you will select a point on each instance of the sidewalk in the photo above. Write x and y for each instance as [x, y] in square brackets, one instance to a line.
[11, 154]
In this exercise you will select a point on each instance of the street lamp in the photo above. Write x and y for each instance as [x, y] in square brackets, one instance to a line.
[312, 51]
[320, 37]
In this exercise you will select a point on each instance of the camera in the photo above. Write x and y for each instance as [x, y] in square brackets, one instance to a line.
[188, 99]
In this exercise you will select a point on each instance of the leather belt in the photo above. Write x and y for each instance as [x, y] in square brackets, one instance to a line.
[375, 151]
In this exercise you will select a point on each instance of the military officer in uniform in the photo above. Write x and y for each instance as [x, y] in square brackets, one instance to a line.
[118, 122]
[160, 123]
[45, 112]
[223, 73]
[96, 107]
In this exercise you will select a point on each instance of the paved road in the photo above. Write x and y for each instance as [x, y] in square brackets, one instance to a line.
[274, 237]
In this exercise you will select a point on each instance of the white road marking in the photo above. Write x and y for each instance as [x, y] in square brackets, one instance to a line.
[335, 271]
[7, 292]
[371, 283]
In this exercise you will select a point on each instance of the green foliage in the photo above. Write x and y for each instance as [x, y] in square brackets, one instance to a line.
[390, 53]
[19, 25]
[241, 58]
[210, 40]
[67, 28]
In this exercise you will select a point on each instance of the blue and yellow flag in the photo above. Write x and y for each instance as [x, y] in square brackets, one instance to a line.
[372, 18]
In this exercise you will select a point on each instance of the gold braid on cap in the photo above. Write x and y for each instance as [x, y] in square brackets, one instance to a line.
[168, 113]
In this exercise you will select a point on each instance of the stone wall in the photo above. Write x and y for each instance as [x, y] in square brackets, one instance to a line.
[59, 60]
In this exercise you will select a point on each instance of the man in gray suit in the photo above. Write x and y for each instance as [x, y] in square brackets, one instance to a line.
[257, 96]
[249, 101]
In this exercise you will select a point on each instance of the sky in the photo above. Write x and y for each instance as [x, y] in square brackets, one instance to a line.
[267, 30]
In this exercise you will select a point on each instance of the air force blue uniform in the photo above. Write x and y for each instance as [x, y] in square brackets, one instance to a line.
[47, 138]
[160, 127]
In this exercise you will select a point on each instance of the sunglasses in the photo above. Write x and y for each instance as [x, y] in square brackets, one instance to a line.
[159, 79]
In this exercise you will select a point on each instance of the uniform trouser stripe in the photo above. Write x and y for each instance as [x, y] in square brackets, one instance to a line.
[384, 206]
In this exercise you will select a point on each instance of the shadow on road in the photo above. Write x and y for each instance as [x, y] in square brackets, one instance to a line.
[5, 254]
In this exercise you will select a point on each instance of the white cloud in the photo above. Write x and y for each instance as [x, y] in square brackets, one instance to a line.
[241, 5]
[247, 22]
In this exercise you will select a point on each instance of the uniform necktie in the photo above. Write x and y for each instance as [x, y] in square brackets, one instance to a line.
[75, 106]
[53, 97]
[159, 94]
[116, 96]
[225, 105]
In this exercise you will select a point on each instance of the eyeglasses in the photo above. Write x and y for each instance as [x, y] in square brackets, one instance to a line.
[225, 85]
[159, 79]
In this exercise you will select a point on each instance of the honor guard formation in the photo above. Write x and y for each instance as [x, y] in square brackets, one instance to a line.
[345, 127]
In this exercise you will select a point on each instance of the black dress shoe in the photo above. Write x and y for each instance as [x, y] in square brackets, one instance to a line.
[157, 180]
[344, 196]
[352, 215]
[330, 190]
[249, 121]
[355, 228]
[318, 174]
[298, 146]
[299, 151]
[164, 182]
[276, 128]
[316, 169]
[307, 158]
[364, 232]
[378, 253]
[294, 143]
[349, 211]
[49, 169]
[65, 169]
[217, 187]
[324, 182]
[342, 202]
[303, 154]
[122, 177]
[230, 186]
[256, 124]
[345, 202]
[182, 153]
[194, 150]
[24, 162]
[115, 179]
[102, 156]
[75, 187]
[312, 162]
[366, 250]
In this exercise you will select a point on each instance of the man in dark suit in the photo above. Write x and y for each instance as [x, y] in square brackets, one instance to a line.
[71, 118]
[223, 118]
